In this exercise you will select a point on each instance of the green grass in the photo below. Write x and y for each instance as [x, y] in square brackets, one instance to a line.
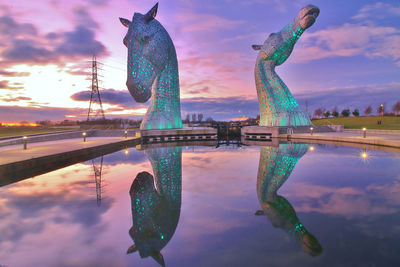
[370, 122]
[25, 130]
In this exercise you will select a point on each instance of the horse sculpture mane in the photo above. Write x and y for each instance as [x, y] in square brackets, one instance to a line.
[153, 70]
[277, 105]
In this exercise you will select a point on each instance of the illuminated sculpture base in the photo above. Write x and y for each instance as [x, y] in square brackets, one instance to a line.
[176, 135]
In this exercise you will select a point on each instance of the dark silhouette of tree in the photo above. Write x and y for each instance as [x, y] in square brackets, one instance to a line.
[187, 120]
[396, 108]
[327, 114]
[318, 112]
[368, 110]
[200, 117]
[335, 113]
[209, 119]
[356, 112]
[194, 117]
[346, 112]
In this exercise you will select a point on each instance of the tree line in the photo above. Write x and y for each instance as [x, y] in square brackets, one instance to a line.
[381, 110]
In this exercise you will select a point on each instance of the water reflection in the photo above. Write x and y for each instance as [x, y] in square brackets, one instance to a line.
[276, 165]
[156, 202]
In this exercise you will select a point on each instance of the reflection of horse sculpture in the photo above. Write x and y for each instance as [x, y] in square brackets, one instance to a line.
[275, 167]
[153, 70]
[277, 105]
[156, 203]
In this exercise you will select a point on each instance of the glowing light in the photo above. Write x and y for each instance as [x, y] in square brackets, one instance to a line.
[9, 124]
[84, 133]
[126, 151]
[364, 155]
[311, 148]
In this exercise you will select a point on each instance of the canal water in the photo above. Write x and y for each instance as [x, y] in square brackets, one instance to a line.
[278, 205]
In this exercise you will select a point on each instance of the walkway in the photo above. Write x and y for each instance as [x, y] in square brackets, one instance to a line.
[388, 140]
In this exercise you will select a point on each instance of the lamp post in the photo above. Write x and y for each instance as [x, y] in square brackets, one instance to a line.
[126, 134]
[381, 113]
[311, 130]
[364, 132]
[25, 142]
[84, 136]
[364, 154]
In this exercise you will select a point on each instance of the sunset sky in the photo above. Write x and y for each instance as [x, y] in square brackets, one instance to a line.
[350, 58]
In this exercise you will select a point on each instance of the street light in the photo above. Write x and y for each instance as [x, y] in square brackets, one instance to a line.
[25, 142]
[364, 132]
[126, 134]
[84, 136]
[311, 130]
[364, 154]
[311, 148]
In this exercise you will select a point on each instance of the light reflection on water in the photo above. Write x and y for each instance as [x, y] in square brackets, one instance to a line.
[201, 206]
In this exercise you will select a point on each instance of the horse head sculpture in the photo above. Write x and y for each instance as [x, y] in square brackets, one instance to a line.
[277, 105]
[156, 203]
[153, 70]
[276, 165]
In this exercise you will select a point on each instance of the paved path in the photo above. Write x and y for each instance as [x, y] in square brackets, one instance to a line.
[15, 153]
[388, 140]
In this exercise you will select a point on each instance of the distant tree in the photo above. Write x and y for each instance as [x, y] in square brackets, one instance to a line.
[200, 117]
[381, 109]
[396, 108]
[194, 117]
[356, 112]
[187, 120]
[368, 110]
[327, 114]
[318, 112]
[335, 113]
[346, 112]
[209, 119]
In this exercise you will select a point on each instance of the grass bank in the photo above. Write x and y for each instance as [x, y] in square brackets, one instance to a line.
[370, 122]
[25, 130]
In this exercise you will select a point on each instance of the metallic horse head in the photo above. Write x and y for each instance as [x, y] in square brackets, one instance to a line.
[146, 56]
[153, 71]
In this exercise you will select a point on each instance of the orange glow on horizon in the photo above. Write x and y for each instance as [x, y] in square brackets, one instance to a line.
[239, 119]
[7, 124]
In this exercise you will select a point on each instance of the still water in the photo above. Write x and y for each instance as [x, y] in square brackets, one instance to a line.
[286, 205]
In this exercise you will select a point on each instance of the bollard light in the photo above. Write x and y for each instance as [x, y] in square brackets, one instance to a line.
[364, 154]
[84, 136]
[364, 132]
[126, 134]
[25, 142]
[311, 130]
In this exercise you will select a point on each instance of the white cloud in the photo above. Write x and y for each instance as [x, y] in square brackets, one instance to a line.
[369, 35]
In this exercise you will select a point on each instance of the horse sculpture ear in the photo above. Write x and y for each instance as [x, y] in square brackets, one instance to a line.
[257, 47]
[151, 14]
[125, 22]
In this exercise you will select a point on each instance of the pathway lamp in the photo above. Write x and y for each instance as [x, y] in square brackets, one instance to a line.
[311, 148]
[311, 130]
[364, 154]
[25, 142]
[126, 134]
[84, 136]
[364, 132]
